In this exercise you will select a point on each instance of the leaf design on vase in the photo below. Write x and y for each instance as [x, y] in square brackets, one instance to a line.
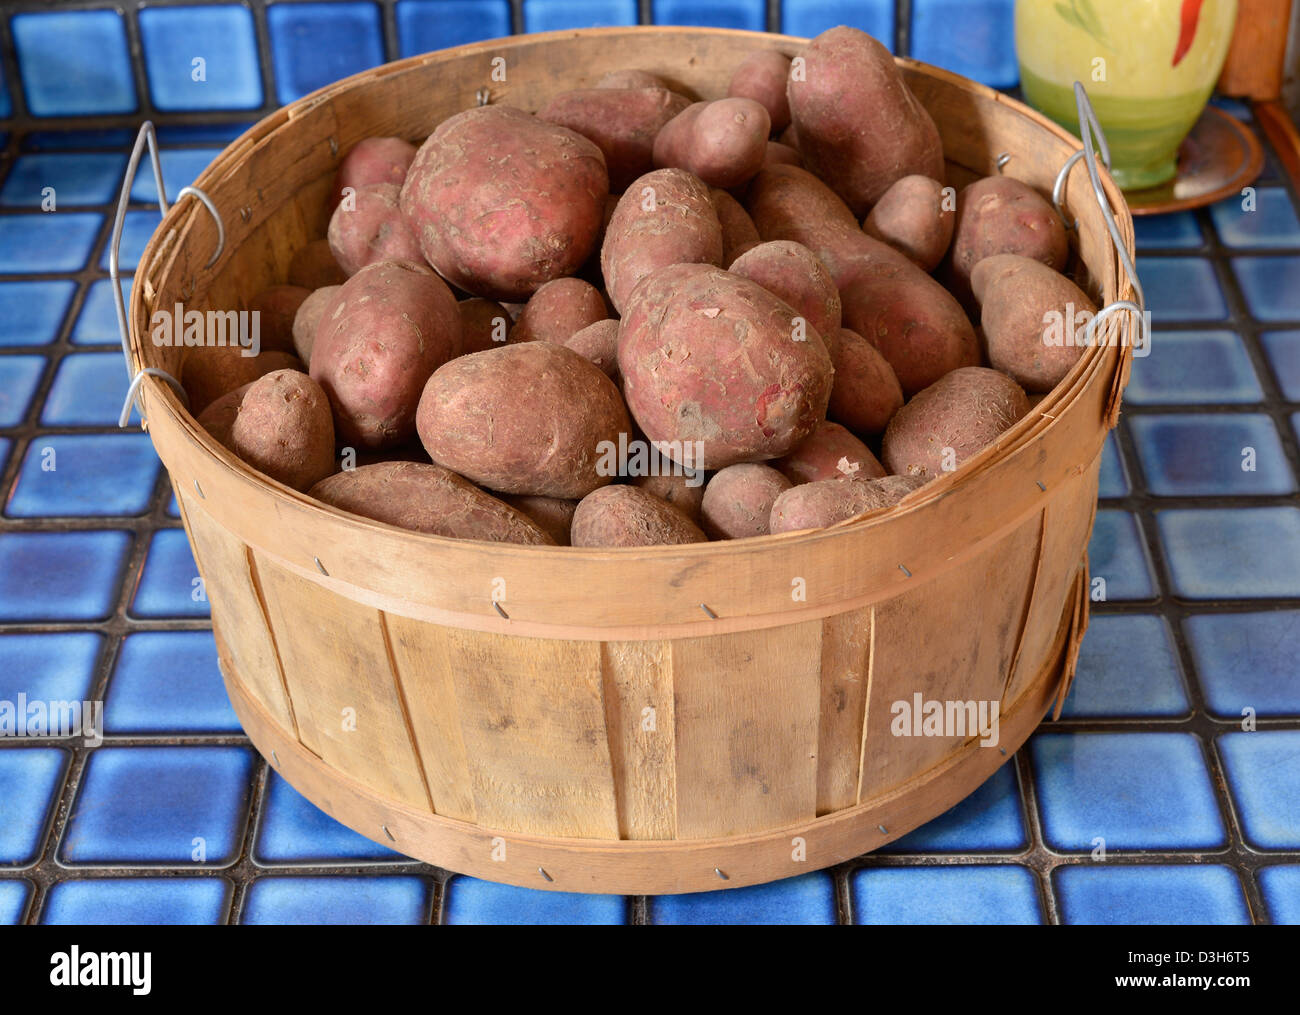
[1083, 16]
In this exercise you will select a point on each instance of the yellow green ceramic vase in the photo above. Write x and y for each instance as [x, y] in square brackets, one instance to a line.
[1149, 67]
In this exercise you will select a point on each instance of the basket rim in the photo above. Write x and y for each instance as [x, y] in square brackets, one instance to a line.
[171, 235]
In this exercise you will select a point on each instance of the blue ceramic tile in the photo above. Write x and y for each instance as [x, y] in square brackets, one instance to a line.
[222, 36]
[68, 140]
[812, 17]
[168, 682]
[6, 101]
[1134, 790]
[85, 475]
[1194, 368]
[97, 322]
[553, 15]
[945, 895]
[989, 820]
[174, 901]
[1247, 660]
[48, 667]
[74, 63]
[67, 180]
[1179, 231]
[1117, 553]
[30, 778]
[173, 508]
[339, 900]
[5, 444]
[19, 378]
[1280, 886]
[807, 899]
[170, 585]
[748, 14]
[137, 229]
[295, 831]
[60, 575]
[1145, 894]
[1181, 289]
[1211, 455]
[1232, 553]
[471, 901]
[47, 241]
[1128, 666]
[1263, 770]
[1295, 424]
[180, 168]
[1271, 223]
[1283, 350]
[1271, 286]
[14, 894]
[975, 38]
[159, 805]
[1235, 107]
[316, 44]
[31, 312]
[1113, 480]
[426, 25]
[88, 390]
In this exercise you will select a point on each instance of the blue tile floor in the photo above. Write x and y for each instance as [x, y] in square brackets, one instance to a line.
[1167, 791]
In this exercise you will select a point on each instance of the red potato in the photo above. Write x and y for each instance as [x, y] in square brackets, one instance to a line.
[558, 311]
[276, 308]
[738, 501]
[762, 76]
[374, 160]
[779, 154]
[738, 231]
[831, 501]
[829, 452]
[664, 218]
[722, 142]
[866, 392]
[367, 226]
[915, 216]
[553, 515]
[684, 491]
[427, 498]
[791, 272]
[283, 427]
[502, 202]
[533, 418]
[314, 267]
[599, 343]
[305, 322]
[621, 122]
[860, 128]
[391, 325]
[630, 516]
[484, 324]
[711, 361]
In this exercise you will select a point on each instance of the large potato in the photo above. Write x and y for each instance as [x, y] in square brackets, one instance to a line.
[723, 142]
[952, 420]
[427, 498]
[665, 217]
[914, 216]
[630, 516]
[866, 393]
[621, 122]
[1034, 319]
[390, 326]
[829, 452]
[860, 128]
[710, 357]
[532, 418]
[738, 500]
[367, 226]
[503, 202]
[792, 272]
[830, 501]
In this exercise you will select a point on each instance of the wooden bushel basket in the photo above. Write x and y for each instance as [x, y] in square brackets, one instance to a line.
[656, 720]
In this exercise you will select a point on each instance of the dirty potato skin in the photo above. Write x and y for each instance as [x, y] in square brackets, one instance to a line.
[369, 227]
[630, 516]
[830, 501]
[738, 500]
[388, 328]
[866, 392]
[681, 227]
[558, 311]
[966, 411]
[427, 498]
[791, 272]
[305, 322]
[711, 357]
[553, 515]
[502, 202]
[523, 419]
[283, 427]
[723, 142]
[915, 218]
[1016, 295]
[829, 452]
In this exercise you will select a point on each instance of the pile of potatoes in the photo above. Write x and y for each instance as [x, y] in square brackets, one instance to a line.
[777, 284]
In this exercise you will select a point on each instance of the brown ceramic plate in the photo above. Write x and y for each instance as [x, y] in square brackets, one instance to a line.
[1219, 157]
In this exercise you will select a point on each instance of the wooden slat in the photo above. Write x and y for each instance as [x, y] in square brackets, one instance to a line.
[638, 676]
[1256, 63]
[747, 717]
[845, 668]
[334, 659]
